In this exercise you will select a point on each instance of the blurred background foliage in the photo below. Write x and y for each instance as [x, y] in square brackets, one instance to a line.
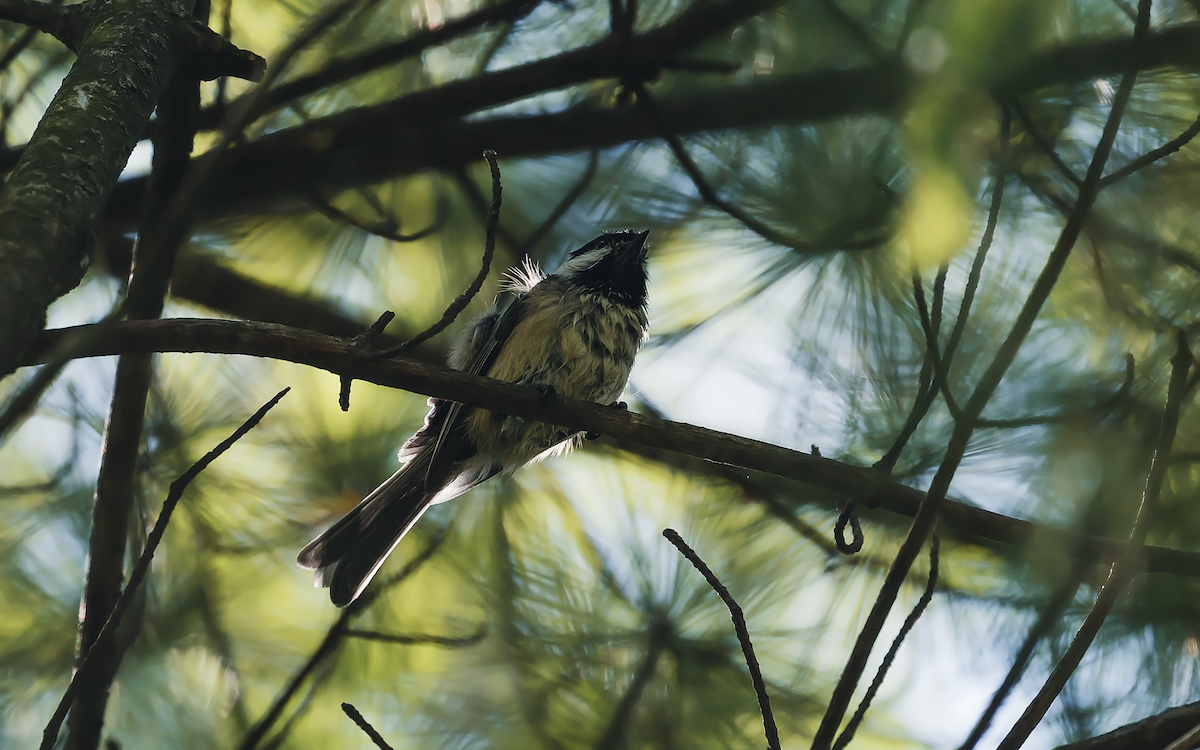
[545, 610]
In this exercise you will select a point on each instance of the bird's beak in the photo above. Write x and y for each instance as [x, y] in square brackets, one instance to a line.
[638, 244]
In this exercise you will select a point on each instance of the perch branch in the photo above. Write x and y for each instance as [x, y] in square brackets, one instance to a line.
[337, 355]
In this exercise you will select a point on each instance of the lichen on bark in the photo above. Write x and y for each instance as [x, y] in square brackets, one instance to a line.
[50, 204]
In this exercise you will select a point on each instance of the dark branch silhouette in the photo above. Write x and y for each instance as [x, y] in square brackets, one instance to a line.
[743, 635]
[338, 356]
[364, 725]
[1125, 567]
[139, 572]
[331, 642]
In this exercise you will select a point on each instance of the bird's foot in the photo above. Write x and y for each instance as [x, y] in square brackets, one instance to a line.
[619, 406]
[548, 391]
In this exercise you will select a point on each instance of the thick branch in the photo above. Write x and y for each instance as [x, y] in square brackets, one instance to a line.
[52, 199]
[55, 20]
[152, 267]
[339, 356]
[342, 69]
[1153, 732]
[370, 144]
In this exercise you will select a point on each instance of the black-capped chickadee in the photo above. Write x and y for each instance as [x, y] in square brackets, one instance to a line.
[573, 333]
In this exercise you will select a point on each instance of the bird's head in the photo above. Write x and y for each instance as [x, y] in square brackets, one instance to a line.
[613, 264]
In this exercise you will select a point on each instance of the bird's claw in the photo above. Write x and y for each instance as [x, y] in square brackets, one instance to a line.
[548, 391]
[619, 406]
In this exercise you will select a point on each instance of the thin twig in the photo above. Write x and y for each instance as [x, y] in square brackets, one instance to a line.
[848, 516]
[329, 644]
[927, 395]
[386, 227]
[960, 438]
[419, 639]
[364, 725]
[926, 596]
[1150, 157]
[363, 341]
[1124, 568]
[139, 572]
[1045, 621]
[709, 195]
[469, 293]
[1045, 146]
[536, 236]
[941, 381]
[743, 635]
[1100, 408]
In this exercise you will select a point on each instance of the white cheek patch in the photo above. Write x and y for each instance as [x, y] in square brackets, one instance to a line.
[581, 263]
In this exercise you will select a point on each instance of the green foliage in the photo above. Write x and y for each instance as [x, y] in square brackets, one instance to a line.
[552, 614]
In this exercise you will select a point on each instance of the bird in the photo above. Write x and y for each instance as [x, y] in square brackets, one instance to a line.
[573, 333]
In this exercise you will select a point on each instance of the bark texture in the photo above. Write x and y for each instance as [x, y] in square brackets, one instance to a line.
[51, 202]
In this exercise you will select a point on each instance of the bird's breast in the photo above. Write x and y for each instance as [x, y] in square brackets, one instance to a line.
[581, 345]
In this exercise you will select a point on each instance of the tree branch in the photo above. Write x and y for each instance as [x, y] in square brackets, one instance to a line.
[364, 725]
[956, 448]
[743, 635]
[1153, 732]
[73, 160]
[142, 569]
[1124, 568]
[341, 69]
[54, 20]
[338, 355]
[151, 273]
[370, 144]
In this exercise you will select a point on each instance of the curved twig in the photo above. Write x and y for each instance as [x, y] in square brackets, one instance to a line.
[139, 572]
[386, 227]
[848, 516]
[1150, 157]
[743, 635]
[364, 725]
[926, 596]
[469, 293]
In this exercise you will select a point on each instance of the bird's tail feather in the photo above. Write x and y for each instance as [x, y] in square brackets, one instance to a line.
[349, 553]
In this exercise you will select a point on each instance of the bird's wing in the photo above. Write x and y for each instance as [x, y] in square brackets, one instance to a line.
[349, 553]
[451, 445]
